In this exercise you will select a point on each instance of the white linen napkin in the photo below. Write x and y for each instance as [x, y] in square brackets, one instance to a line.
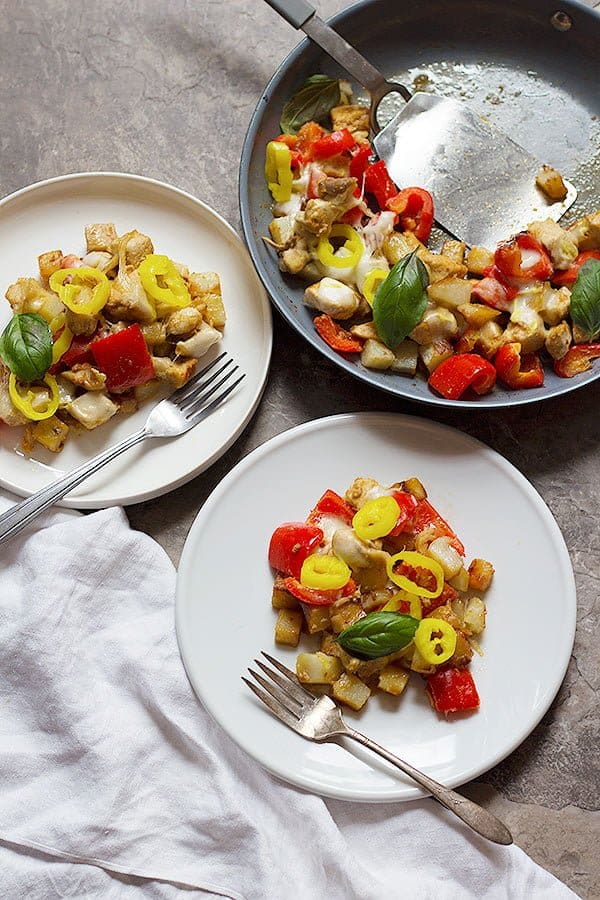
[111, 768]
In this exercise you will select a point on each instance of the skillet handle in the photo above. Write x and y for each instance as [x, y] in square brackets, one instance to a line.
[302, 16]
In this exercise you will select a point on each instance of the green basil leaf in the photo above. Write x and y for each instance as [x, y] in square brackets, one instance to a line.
[378, 634]
[400, 300]
[26, 346]
[312, 103]
[585, 299]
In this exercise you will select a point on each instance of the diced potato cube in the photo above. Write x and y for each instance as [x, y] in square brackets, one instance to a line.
[443, 553]
[102, 236]
[318, 668]
[288, 627]
[460, 582]
[282, 599]
[393, 680]
[434, 354]
[376, 355]
[350, 116]
[351, 690]
[463, 653]
[49, 263]
[407, 358]
[365, 331]
[551, 183]
[474, 617]
[413, 486]
[454, 250]
[214, 310]
[282, 230]
[419, 664]
[396, 246]
[477, 315]
[481, 573]
[50, 433]
[317, 618]
[478, 259]
[330, 646]
[346, 615]
[451, 292]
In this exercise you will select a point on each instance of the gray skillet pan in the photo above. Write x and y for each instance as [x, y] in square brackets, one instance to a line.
[533, 68]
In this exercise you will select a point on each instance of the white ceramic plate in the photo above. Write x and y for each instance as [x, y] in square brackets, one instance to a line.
[224, 616]
[53, 214]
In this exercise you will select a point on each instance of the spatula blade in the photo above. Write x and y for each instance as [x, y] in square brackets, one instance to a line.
[482, 182]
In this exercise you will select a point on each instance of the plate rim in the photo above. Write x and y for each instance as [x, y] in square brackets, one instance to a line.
[87, 501]
[185, 571]
[512, 399]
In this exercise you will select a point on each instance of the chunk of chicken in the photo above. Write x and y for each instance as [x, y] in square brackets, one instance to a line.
[555, 304]
[175, 373]
[92, 409]
[27, 295]
[586, 232]
[80, 323]
[134, 247]
[183, 321]
[317, 218]
[101, 236]
[128, 299]
[8, 413]
[361, 490]
[332, 297]
[368, 562]
[558, 340]
[525, 327]
[437, 324]
[199, 343]
[338, 191]
[49, 262]
[558, 242]
[354, 117]
[86, 376]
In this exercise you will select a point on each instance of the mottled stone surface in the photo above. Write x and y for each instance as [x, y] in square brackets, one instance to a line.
[166, 90]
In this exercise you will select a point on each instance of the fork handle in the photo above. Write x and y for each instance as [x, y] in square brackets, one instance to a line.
[480, 820]
[22, 514]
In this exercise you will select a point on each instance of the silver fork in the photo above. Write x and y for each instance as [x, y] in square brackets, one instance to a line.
[319, 719]
[173, 416]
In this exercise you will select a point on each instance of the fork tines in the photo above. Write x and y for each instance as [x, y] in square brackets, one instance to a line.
[190, 398]
[285, 697]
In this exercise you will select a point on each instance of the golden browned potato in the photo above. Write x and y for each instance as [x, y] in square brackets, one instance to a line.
[50, 433]
[318, 668]
[551, 183]
[481, 573]
[288, 627]
[49, 262]
[393, 679]
[351, 690]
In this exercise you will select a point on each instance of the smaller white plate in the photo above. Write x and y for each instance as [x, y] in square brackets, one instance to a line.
[224, 616]
[52, 214]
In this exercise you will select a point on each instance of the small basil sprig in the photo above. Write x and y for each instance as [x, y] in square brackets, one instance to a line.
[400, 300]
[26, 346]
[585, 299]
[312, 103]
[378, 634]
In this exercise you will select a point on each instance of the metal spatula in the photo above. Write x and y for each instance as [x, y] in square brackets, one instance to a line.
[483, 183]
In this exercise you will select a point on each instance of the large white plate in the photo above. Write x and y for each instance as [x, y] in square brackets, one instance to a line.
[224, 616]
[53, 214]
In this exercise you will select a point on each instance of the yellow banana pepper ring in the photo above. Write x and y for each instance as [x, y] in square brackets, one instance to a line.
[23, 402]
[418, 560]
[63, 341]
[376, 518]
[353, 248]
[83, 290]
[372, 281]
[394, 604]
[278, 171]
[435, 640]
[324, 572]
[163, 283]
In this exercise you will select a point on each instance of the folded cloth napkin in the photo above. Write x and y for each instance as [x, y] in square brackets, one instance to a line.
[117, 783]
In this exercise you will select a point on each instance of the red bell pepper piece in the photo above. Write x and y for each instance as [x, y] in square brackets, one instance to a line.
[516, 370]
[352, 216]
[414, 205]
[493, 292]
[452, 690]
[78, 352]
[458, 373]
[124, 359]
[569, 276]
[314, 597]
[290, 544]
[408, 504]
[577, 360]
[333, 144]
[307, 137]
[379, 183]
[428, 604]
[426, 516]
[331, 504]
[337, 337]
[509, 258]
[359, 161]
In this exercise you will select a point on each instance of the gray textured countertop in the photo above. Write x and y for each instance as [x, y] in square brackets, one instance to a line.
[139, 87]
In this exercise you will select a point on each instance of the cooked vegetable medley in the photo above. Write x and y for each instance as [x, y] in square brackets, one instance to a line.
[465, 317]
[98, 334]
[380, 577]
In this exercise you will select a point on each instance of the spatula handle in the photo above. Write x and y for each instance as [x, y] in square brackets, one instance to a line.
[302, 15]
